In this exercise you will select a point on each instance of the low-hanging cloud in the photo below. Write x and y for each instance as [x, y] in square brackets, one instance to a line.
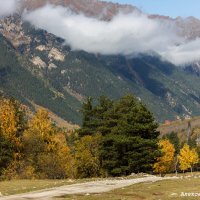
[183, 54]
[126, 34]
[7, 7]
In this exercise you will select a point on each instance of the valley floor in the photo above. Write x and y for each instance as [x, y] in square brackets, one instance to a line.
[87, 190]
[178, 189]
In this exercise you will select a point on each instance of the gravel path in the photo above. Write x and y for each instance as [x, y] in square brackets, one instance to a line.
[82, 188]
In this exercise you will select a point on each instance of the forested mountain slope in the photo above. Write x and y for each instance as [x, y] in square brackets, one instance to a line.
[37, 67]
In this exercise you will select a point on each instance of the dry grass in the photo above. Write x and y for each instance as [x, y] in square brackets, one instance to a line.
[179, 126]
[161, 190]
[23, 186]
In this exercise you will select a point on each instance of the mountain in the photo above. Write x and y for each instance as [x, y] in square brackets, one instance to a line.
[37, 69]
[190, 26]
[92, 8]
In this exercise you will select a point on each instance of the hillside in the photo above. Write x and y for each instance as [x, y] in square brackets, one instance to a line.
[36, 68]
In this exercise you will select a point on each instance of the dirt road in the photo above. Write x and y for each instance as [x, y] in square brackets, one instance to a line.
[82, 188]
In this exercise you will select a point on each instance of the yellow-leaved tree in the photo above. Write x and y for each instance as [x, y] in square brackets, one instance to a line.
[11, 119]
[188, 158]
[45, 148]
[87, 156]
[164, 162]
[12, 125]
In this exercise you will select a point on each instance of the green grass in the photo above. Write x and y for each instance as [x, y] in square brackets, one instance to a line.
[161, 190]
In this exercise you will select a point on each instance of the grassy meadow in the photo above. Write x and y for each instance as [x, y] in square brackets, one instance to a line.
[161, 190]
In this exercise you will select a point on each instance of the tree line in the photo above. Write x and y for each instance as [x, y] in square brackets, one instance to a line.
[116, 138]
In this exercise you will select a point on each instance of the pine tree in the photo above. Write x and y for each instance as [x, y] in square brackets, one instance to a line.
[94, 116]
[129, 132]
[6, 152]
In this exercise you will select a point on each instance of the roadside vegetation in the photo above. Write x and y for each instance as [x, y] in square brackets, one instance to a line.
[117, 138]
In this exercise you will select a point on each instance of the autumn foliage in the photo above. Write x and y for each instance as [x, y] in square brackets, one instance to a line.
[116, 138]
[45, 148]
[34, 147]
[164, 162]
[187, 158]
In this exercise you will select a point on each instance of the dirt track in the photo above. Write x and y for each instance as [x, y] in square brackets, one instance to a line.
[82, 188]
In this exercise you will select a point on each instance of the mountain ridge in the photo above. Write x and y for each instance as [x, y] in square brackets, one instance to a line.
[91, 8]
[52, 75]
[106, 10]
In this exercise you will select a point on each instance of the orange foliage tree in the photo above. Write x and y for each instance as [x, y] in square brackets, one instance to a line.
[45, 148]
[164, 162]
[87, 156]
[12, 125]
[188, 158]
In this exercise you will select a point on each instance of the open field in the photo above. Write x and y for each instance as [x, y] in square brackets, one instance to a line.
[91, 187]
[23, 186]
[161, 190]
[126, 188]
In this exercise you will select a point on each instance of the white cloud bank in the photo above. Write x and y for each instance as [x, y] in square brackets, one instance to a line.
[184, 54]
[7, 7]
[128, 34]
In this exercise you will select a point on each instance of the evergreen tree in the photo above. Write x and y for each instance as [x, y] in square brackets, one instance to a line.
[129, 134]
[87, 115]
[122, 155]
[192, 142]
[94, 116]
[6, 152]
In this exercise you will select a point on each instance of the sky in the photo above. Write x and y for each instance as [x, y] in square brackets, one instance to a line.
[173, 8]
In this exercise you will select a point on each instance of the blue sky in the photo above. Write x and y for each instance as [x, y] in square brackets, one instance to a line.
[171, 8]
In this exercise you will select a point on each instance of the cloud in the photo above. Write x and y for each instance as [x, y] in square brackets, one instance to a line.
[126, 34]
[183, 54]
[7, 7]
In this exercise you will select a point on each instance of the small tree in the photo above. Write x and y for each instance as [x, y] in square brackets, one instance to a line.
[45, 149]
[87, 156]
[164, 162]
[12, 125]
[187, 158]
